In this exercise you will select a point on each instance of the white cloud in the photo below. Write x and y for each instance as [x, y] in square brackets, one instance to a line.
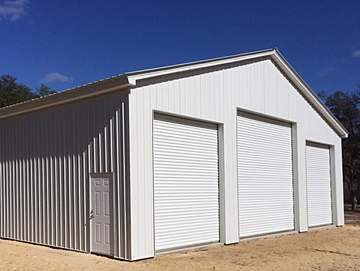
[356, 53]
[56, 77]
[325, 72]
[12, 10]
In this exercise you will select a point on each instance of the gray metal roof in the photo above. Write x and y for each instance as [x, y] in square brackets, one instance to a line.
[125, 81]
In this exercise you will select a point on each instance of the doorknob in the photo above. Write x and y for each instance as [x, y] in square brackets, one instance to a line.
[91, 214]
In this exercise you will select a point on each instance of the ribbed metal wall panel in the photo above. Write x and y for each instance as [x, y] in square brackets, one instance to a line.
[186, 183]
[215, 95]
[265, 179]
[318, 185]
[45, 160]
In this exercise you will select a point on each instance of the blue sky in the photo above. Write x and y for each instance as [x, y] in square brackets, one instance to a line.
[68, 43]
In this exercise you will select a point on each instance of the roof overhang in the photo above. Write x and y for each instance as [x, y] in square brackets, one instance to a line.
[66, 96]
[134, 77]
[132, 80]
[309, 94]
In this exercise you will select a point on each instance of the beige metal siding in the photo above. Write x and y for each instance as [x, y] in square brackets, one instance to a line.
[45, 160]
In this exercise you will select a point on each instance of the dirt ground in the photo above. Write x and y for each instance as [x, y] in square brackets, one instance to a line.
[327, 249]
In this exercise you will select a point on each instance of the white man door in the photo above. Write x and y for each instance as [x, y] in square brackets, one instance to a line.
[101, 213]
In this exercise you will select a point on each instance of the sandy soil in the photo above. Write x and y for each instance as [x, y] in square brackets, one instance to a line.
[328, 249]
[352, 217]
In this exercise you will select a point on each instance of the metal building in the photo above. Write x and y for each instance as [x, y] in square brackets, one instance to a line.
[211, 151]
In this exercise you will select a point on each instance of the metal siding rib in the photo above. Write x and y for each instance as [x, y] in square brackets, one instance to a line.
[119, 203]
[12, 196]
[6, 193]
[1, 191]
[45, 163]
[31, 194]
[53, 192]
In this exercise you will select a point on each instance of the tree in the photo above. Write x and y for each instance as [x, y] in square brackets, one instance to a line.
[44, 90]
[345, 107]
[12, 92]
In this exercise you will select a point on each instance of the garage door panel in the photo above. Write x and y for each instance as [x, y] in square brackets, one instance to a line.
[186, 183]
[265, 177]
[318, 185]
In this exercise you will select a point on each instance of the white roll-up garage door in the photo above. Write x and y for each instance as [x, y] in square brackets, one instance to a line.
[318, 185]
[265, 177]
[186, 183]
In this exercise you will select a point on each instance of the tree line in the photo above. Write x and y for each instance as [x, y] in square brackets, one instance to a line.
[344, 105]
[12, 92]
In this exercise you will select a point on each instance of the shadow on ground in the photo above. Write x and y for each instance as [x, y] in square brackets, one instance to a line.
[352, 217]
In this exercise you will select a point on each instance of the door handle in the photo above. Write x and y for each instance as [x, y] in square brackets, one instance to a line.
[91, 214]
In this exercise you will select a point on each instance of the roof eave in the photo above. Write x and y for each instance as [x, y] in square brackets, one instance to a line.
[77, 93]
[133, 77]
[309, 93]
[274, 54]
[129, 80]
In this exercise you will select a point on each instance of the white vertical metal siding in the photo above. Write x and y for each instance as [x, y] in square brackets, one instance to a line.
[45, 160]
[214, 96]
[318, 185]
[186, 183]
[265, 180]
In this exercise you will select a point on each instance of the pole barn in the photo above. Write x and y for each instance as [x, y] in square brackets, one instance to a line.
[213, 151]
